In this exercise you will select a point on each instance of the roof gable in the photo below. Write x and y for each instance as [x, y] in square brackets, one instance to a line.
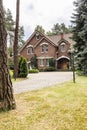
[38, 41]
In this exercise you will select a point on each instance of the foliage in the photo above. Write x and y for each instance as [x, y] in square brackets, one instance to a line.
[50, 69]
[21, 36]
[59, 28]
[34, 61]
[40, 29]
[34, 71]
[10, 27]
[79, 21]
[22, 68]
[9, 22]
[10, 63]
[52, 62]
[60, 107]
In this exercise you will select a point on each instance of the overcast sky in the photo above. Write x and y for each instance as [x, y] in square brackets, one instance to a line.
[41, 12]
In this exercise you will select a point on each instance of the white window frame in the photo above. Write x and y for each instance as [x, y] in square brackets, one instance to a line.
[46, 48]
[47, 62]
[41, 62]
[42, 49]
[31, 50]
[63, 47]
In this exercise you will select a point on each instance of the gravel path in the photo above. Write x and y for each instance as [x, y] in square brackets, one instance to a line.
[40, 80]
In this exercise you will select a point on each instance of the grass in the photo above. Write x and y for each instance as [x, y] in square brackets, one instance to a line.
[61, 107]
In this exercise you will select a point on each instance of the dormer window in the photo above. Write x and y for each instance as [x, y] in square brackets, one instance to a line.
[63, 47]
[37, 36]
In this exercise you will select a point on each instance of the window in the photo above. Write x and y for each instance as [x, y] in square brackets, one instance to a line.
[62, 47]
[42, 48]
[37, 36]
[46, 48]
[47, 62]
[30, 50]
[41, 62]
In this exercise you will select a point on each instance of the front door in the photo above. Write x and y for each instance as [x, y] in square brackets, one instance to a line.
[63, 64]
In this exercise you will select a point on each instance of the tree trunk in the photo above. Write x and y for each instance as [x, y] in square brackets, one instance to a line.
[15, 49]
[7, 101]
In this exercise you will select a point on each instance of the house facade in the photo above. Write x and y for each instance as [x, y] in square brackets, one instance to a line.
[48, 47]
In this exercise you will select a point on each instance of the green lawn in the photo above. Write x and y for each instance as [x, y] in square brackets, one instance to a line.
[61, 107]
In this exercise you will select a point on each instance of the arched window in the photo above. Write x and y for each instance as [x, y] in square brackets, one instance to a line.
[30, 50]
[63, 47]
[44, 47]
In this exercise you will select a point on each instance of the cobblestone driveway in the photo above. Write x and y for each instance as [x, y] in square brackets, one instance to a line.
[40, 80]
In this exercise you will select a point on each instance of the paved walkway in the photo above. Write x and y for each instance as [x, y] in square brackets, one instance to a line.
[40, 80]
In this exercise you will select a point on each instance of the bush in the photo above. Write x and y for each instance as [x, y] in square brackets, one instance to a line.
[34, 71]
[52, 62]
[34, 62]
[50, 69]
[22, 68]
[10, 63]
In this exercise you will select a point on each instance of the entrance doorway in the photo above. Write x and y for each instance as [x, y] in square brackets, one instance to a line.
[63, 64]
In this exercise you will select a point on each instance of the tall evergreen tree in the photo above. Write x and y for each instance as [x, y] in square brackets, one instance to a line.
[80, 35]
[15, 48]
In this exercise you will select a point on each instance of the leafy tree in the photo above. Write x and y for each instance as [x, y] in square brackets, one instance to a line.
[58, 29]
[22, 68]
[7, 101]
[80, 35]
[40, 29]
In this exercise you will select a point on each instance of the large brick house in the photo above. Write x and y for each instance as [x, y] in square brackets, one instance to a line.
[48, 47]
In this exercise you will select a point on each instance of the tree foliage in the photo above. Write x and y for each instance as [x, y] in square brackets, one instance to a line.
[10, 27]
[9, 22]
[40, 29]
[58, 29]
[79, 21]
[22, 67]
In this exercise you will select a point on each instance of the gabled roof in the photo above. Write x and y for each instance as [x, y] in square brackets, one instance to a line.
[57, 38]
[43, 37]
[46, 38]
[54, 40]
[27, 42]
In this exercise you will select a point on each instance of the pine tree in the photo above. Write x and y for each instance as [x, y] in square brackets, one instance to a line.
[80, 35]
[15, 47]
[7, 101]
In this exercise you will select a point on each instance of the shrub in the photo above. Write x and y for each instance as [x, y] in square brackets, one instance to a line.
[50, 69]
[52, 62]
[34, 71]
[34, 62]
[22, 68]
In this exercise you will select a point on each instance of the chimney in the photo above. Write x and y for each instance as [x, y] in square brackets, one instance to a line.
[62, 35]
